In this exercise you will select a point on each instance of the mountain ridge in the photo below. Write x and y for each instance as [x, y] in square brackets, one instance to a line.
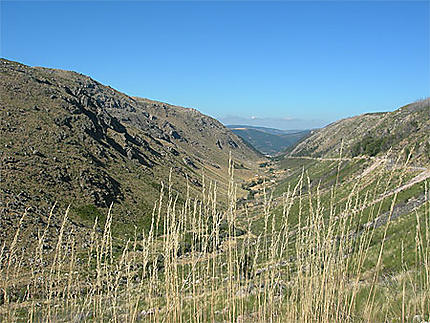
[406, 128]
[68, 138]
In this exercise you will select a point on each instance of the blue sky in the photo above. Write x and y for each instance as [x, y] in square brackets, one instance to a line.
[284, 64]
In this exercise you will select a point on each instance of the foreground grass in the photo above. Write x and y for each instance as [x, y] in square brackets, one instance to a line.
[314, 256]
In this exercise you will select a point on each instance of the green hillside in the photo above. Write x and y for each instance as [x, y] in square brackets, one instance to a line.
[374, 134]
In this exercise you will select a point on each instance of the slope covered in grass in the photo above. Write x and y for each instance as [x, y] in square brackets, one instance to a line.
[374, 134]
[332, 245]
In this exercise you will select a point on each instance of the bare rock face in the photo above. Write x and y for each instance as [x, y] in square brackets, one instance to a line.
[189, 162]
[100, 187]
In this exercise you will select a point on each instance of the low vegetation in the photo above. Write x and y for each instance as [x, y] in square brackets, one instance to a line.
[173, 218]
[318, 252]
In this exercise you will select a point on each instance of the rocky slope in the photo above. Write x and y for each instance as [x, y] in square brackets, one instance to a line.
[65, 137]
[374, 134]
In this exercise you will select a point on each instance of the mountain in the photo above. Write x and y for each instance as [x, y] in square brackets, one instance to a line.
[355, 228]
[374, 134]
[65, 137]
[269, 140]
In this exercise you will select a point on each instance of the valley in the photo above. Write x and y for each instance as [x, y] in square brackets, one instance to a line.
[124, 209]
[269, 141]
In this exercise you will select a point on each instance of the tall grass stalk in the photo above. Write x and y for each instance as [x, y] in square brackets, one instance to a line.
[198, 262]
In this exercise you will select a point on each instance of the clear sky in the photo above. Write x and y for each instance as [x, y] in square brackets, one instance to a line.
[284, 64]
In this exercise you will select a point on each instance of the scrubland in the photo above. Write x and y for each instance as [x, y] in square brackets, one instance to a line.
[324, 245]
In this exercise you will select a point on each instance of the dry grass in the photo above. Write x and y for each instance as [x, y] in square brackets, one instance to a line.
[191, 266]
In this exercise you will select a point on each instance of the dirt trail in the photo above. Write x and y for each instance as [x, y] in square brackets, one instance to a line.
[425, 174]
[330, 158]
[370, 169]
[378, 161]
[417, 179]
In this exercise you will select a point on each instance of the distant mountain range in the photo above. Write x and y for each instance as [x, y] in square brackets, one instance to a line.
[269, 141]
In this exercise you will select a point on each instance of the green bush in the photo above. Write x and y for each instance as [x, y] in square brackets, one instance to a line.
[371, 146]
[88, 214]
